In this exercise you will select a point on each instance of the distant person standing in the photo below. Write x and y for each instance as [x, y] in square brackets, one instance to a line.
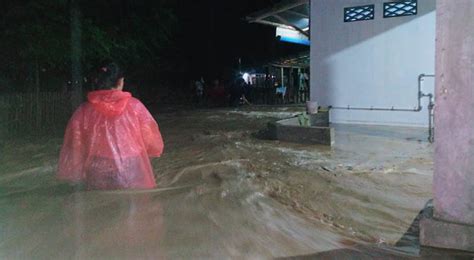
[239, 90]
[304, 79]
[199, 90]
[280, 91]
[217, 94]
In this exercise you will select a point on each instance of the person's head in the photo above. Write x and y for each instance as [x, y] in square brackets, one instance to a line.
[108, 77]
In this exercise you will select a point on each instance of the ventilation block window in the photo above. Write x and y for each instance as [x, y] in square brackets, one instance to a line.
[400, 8]
[359, 13]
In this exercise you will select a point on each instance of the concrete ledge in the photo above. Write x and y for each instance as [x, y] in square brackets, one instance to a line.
[289, 130]
[319, 119]
[439, 234]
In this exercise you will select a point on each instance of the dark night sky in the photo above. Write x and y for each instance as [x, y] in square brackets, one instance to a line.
[217, 35]
[209, 37]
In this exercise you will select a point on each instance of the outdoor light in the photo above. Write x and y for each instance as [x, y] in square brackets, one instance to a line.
[246, 77]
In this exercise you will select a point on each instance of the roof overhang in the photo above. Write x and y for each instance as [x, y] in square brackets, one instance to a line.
[289, 14]
[300, 60]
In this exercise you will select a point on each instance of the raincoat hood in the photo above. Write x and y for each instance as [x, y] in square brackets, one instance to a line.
[109, 102]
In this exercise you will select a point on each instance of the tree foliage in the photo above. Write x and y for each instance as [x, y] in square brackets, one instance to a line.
[139, 34]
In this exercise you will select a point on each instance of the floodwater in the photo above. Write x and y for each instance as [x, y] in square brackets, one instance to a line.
[226, 194]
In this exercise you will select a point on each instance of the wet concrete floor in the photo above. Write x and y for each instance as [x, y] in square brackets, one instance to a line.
[226, 194]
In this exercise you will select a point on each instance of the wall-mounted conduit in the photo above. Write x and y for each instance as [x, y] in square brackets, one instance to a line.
[417, 108]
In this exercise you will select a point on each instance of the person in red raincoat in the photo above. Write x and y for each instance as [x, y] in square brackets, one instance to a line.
[110, 138]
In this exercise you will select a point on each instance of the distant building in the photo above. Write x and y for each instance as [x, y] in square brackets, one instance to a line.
[366, 56]
[285, 79]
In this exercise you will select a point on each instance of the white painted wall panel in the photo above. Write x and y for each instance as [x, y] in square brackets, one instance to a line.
[372, 63]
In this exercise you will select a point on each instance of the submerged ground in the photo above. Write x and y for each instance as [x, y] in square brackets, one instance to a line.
[225, 193]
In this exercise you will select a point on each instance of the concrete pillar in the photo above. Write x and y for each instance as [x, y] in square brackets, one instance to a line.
[452, 223]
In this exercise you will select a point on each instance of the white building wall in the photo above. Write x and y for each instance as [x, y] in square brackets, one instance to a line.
[372, 63]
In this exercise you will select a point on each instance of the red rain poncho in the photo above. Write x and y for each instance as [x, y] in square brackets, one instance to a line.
[108, 143]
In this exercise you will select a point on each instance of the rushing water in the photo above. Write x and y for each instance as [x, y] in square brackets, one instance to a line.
[224, 193]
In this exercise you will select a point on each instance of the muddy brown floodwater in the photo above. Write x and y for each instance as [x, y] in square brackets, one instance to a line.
[225, 194]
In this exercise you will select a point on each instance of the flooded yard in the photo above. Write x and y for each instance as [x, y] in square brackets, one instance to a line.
[224, 193]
